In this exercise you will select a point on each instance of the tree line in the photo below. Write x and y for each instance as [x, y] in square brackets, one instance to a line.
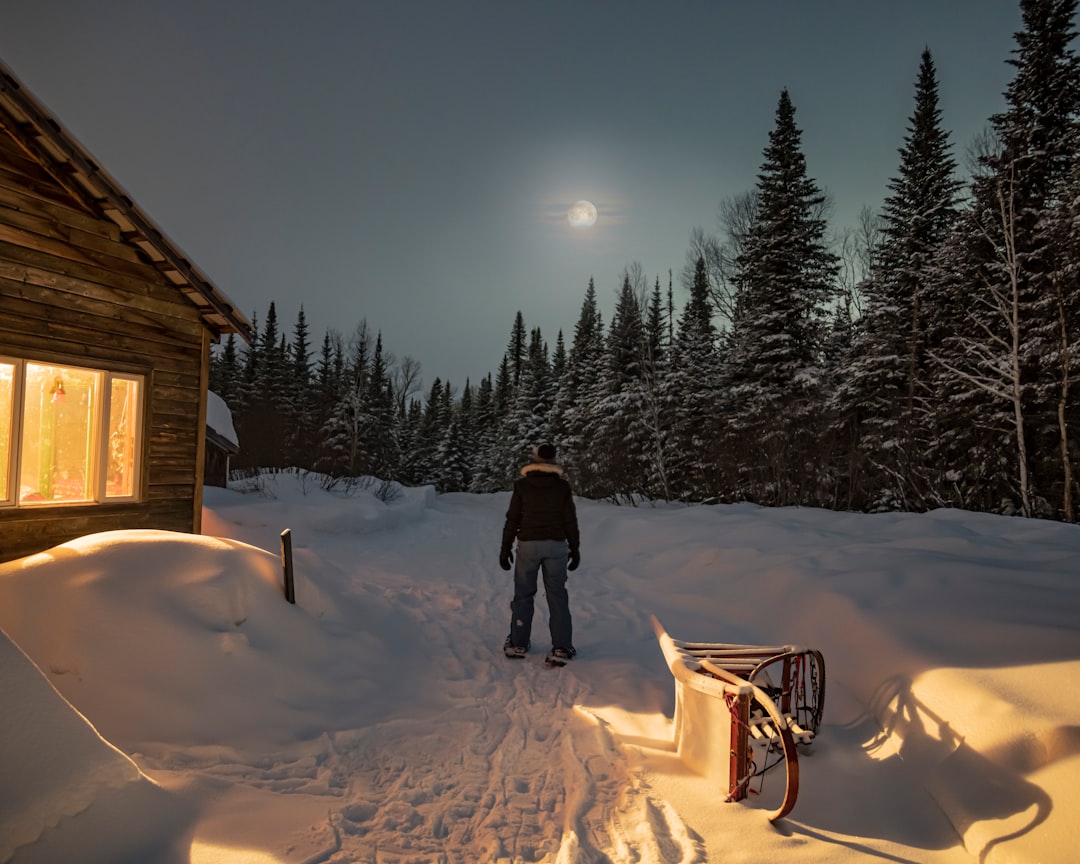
[924, 361]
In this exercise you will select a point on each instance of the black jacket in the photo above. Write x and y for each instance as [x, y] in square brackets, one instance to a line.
[541, 508]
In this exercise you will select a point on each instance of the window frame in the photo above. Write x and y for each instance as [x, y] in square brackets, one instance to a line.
[99, 443]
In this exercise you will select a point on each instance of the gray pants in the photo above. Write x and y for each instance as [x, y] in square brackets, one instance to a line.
[551, 557]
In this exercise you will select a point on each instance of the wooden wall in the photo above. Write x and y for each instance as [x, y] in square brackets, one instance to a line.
[72, 291]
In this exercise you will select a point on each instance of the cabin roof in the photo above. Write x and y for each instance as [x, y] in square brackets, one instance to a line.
[27, 120]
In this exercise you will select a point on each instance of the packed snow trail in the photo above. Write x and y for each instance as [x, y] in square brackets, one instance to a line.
[535, 777]
[538, 774]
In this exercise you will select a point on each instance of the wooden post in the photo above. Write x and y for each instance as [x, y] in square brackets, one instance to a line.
[286, 564]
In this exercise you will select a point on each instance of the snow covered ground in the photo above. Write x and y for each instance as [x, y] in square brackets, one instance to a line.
[377, 720]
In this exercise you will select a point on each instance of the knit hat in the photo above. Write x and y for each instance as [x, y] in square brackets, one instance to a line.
[544, 453]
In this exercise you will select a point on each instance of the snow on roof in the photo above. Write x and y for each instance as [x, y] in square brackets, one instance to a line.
[219, 418]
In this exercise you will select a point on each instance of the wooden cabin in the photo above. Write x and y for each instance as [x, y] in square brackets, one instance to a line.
[105, 335]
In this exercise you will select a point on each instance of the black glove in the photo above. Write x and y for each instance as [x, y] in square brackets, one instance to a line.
[505, 558]
[575, 559]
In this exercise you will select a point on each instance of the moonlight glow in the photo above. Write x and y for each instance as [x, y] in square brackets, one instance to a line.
[582, 214]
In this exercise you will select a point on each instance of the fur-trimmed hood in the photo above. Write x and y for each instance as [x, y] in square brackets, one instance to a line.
[546, 467]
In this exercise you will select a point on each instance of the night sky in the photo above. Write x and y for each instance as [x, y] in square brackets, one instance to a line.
[412, 163]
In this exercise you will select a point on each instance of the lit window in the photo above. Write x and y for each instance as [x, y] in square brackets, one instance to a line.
[124, 400]
[7, 411]
[76, 434]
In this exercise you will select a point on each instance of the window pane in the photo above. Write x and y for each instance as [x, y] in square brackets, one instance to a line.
[57, 439]
[7, 406]
[123, 423]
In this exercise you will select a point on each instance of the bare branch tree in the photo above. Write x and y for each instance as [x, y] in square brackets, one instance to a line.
[1067, 507]
[994, 362]
[858, 248]
[635, 275]
[736, 217]
[407, 381]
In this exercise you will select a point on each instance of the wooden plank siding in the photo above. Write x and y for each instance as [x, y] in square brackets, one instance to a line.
[75, 290]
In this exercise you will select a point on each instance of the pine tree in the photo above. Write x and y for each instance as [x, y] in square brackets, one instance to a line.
[378, 409]
[261, 423]
[516, 350]
[573, 403]
[327, 385]
[883, 397]
[410, 421]
[559, 358]
[300, 399]
[226, 374]
[484, 477]
[527, 422]
[249, 370]
[466, 410]
[619, 441]
[690, 397]
[785, 282]
[492, 473]
[655, 419]
[1001, 361]
[436, 420]
[345, 452]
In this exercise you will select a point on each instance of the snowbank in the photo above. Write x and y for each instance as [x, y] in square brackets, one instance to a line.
[377, 719]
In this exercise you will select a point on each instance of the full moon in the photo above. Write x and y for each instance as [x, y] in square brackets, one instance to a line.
[582, 214]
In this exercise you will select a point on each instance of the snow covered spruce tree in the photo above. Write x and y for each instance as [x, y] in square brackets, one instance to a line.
[380, 433]
[329, 381]
[410, 421]
[438, 413]
[300, 421]
[1003, 365]
[490, 463]
[574, 397]
[882, 400]
[526, 424]
[485, 426]
[619, 430]
[785, 283]
[655, 421]
[452, 469]
[560, 358]
[226, 373]
[344, 433]
[524, 367]
[690, 396]
[517, 350]
[260, 424]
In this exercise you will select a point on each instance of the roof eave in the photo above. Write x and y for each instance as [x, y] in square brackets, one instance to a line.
[58, 151]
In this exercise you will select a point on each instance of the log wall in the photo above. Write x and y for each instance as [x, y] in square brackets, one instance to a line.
[73, 291]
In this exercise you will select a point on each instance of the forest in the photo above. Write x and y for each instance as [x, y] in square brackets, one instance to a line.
[923, 361]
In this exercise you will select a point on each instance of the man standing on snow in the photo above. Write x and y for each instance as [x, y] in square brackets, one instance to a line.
[543, 518]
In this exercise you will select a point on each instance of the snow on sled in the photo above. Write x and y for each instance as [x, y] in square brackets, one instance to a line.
[741, 710]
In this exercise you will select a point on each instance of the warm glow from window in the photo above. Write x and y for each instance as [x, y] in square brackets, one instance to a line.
[124, 401]
[7, 409]
[57, 445]
[68, 435]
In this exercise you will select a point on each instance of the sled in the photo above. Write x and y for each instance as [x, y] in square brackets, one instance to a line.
[735, 704]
